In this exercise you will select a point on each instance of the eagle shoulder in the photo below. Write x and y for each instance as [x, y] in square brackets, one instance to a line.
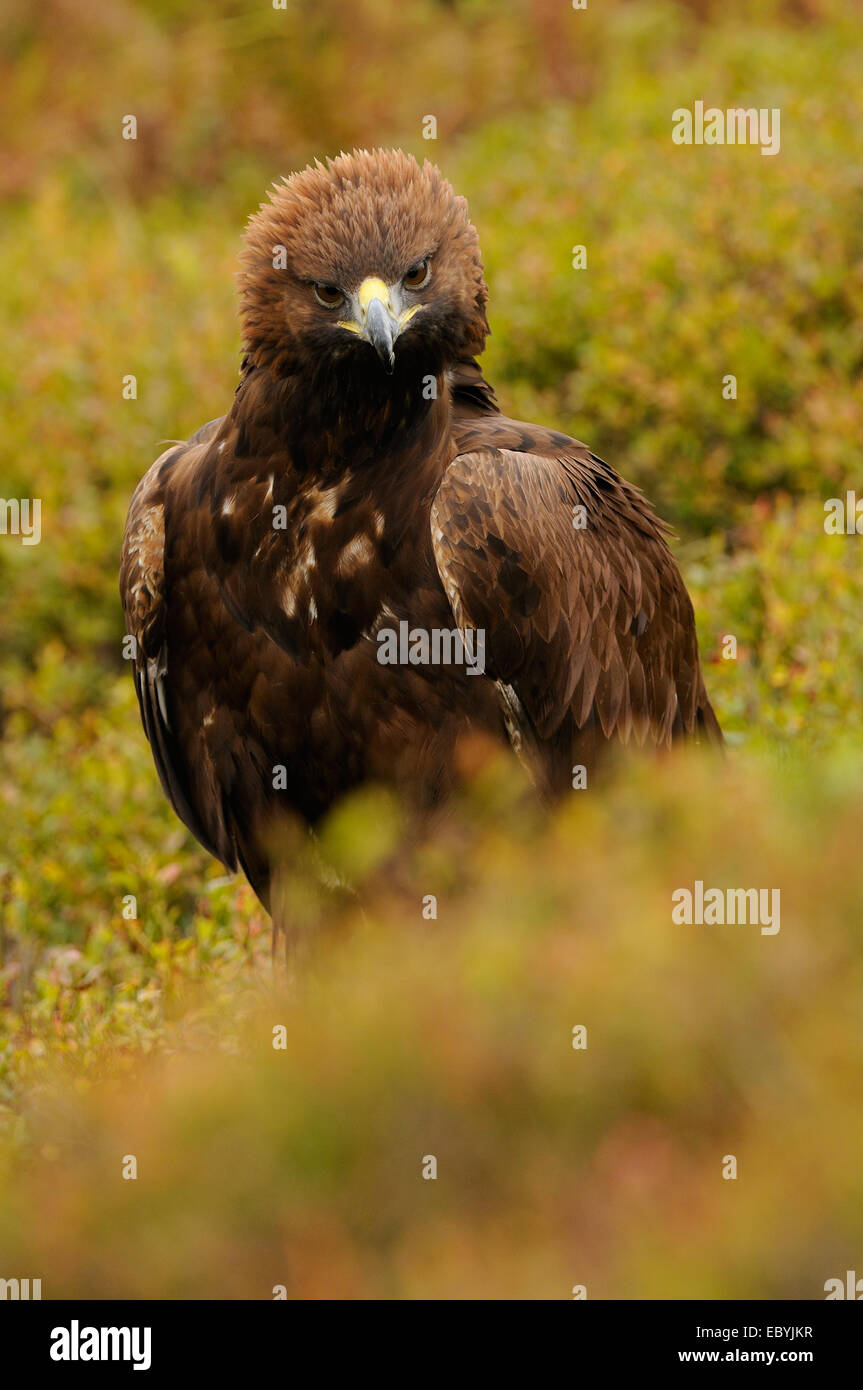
[567, 570]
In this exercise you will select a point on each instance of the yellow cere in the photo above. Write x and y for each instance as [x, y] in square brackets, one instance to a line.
[370, 289]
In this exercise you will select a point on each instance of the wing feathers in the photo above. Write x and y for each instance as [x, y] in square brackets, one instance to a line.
[142, 589]
[590, 621]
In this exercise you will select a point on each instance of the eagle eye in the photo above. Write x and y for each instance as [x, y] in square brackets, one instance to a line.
[328, 295]
[418, 276]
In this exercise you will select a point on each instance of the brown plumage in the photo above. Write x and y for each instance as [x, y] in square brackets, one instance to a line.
[364, 476]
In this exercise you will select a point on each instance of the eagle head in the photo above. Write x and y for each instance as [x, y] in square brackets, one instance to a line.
[360, 270]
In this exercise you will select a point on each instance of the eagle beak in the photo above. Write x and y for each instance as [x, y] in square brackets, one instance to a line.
[380, 328]
[377, 319]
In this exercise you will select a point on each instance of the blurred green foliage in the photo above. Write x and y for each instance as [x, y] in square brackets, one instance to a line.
[152, 1034]
[302, 1165]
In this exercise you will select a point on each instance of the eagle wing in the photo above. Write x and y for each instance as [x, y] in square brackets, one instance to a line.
[143, 593]
[566, 569]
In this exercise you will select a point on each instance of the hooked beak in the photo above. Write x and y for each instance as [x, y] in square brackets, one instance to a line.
[377, 319]
[380, 329]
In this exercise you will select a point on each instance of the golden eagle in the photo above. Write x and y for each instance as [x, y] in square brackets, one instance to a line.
[365, 491]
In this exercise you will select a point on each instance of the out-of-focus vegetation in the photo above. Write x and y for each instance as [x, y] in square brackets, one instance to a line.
[152, 1035]
[301, 1165]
